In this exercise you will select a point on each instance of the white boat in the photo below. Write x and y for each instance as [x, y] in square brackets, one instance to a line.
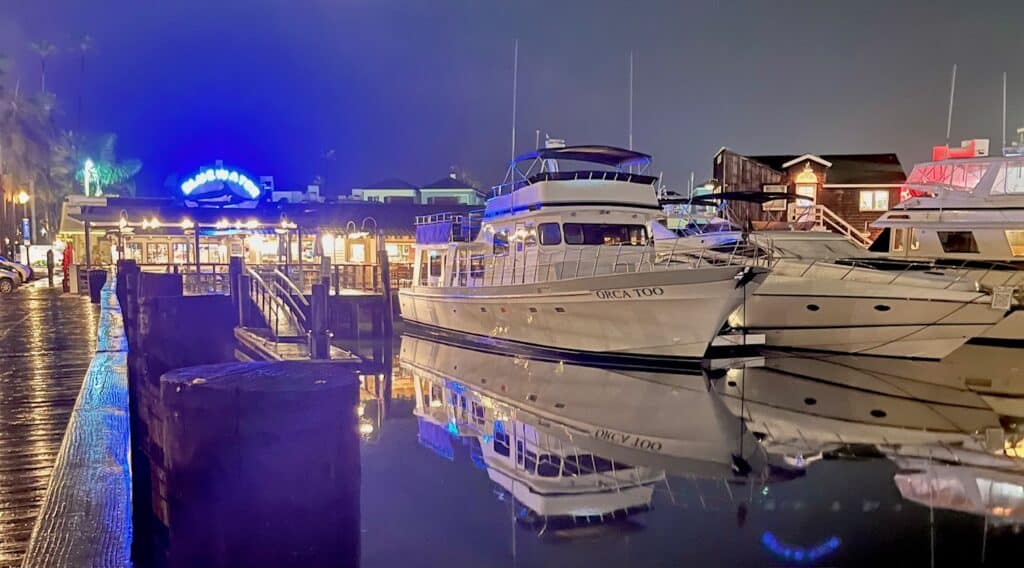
[826, 293]
[963, 209]
[565, 259]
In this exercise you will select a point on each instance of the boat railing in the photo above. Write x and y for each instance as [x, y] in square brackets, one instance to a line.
[589, 175]
[534, 266]
[945, 276]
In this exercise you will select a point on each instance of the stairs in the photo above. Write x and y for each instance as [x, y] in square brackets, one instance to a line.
[825, 219]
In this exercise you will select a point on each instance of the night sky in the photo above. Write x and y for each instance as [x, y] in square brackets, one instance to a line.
[411, 88]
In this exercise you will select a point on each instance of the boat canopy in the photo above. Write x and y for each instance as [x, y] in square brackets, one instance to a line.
[746, 196]
[605, 155]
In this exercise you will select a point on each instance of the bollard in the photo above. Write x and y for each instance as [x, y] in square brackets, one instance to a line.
[255, 464]
[97, 279]
[320, 345]
[235, 271]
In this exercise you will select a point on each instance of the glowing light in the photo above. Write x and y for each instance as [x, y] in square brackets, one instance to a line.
[153, 223]
[365, 428]
[252, 224]
[221, 224]
[23, 197]
[187, 224]
[122, 223]
[232, 177]
[799, 554]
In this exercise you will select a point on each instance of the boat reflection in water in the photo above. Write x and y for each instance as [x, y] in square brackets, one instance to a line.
[576, 446]
[954, 435]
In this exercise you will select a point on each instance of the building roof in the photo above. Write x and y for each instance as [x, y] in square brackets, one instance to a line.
[392, 218]
[847, 168]
[389, 183]
[449, 182]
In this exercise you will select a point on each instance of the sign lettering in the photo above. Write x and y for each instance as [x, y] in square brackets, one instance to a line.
[629, 293]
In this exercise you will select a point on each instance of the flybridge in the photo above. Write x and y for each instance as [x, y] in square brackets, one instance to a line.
[544, 165]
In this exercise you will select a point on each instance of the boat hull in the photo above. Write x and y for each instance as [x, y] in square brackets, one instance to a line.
[666, 313]
[863, 318]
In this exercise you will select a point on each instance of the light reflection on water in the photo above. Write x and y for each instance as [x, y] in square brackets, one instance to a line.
[838, 460]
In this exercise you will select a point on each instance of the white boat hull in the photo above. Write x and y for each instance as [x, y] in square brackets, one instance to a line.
[669, 313]
[865, 318]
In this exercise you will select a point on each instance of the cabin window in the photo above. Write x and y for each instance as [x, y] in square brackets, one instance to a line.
[500, 244]
[550, 234]
[604, 234]
[423, 268]
[476, 266]
[898, 236]
[775, 204]
[915, 242]
[1010, 178]
[874, 200]
[501, 443]
[1016, 241]
[435, 264]
[548, 465]
[958, 241]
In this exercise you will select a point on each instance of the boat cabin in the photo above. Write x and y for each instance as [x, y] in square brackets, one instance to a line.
[962, 205]
[551, 218]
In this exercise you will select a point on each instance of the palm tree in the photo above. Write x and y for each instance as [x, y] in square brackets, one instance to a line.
[45, 49]
[112, 176]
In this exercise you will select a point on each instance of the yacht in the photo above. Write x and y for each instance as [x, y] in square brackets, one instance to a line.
[965, 209]
[563, 258]
[826, 293]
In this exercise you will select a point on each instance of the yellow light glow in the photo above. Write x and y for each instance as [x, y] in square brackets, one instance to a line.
[187, 224]
[365, 428]
[23, 197]
[221, 224]
[252, 224]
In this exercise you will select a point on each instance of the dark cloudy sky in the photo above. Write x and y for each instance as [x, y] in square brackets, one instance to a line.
[409, 88]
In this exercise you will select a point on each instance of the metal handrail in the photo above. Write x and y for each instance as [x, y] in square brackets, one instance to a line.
[281, 276]
[292, 309]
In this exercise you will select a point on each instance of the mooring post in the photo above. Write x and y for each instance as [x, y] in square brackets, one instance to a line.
[319, 341]
[385, 280]
[235, 270]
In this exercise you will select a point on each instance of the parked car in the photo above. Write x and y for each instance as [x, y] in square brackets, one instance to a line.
[9, 281]
[24, 272]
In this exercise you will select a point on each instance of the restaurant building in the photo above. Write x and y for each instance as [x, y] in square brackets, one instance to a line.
[222, 213]
[844, 193]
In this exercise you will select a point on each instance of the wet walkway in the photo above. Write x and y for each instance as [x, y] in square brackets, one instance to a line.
[47, 341]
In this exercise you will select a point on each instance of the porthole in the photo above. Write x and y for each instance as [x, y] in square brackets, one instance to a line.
[882, 308]
[878, 413]
[731, 383]
[484, 310]
[560, 310]
[809, 401]
[533, 310]
[531, 397]
[559, 405]
[813, 307]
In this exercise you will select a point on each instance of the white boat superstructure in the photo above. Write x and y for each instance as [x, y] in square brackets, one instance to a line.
[965, 210]
[565, 259]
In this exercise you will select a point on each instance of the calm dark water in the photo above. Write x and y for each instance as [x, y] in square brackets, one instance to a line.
[472, 457]
[817, 485]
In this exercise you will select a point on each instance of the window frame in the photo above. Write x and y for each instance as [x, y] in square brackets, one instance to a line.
[629, 227]
[541, 228]
[944, 236]
[873, 201]
[1015, 249]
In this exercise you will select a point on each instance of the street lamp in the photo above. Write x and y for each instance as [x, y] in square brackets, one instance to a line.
[88, 173]
[23, 197]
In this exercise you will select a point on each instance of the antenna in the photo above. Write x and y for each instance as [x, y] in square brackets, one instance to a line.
[1004, 116]
[691, 183]
[536, 139]
[515, 91]
[631, 100]
[952, 93]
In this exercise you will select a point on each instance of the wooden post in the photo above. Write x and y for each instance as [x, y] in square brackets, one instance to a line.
[198, 270]
[385, 278]
[236, 268]
[88, 244]
[320, 345]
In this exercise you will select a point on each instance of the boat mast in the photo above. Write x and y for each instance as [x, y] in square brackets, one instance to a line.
[1003, 131]
[631, 100]
[949, 117]
[515, 91]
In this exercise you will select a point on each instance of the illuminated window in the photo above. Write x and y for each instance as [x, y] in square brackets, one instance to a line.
[807, 186]
[393, 251]
[357, 253]
[1016, 242]
[915, 243]
[181, 253]
[898, 236]
[156, 253]
[874, 200]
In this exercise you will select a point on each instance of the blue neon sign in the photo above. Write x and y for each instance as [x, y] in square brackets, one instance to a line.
[798, 553]
[241, 183]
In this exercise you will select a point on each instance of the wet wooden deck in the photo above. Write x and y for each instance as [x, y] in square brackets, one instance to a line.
[47, 341]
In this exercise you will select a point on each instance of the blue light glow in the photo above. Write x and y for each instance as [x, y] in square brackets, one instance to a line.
[230, 177]
[799, 554]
